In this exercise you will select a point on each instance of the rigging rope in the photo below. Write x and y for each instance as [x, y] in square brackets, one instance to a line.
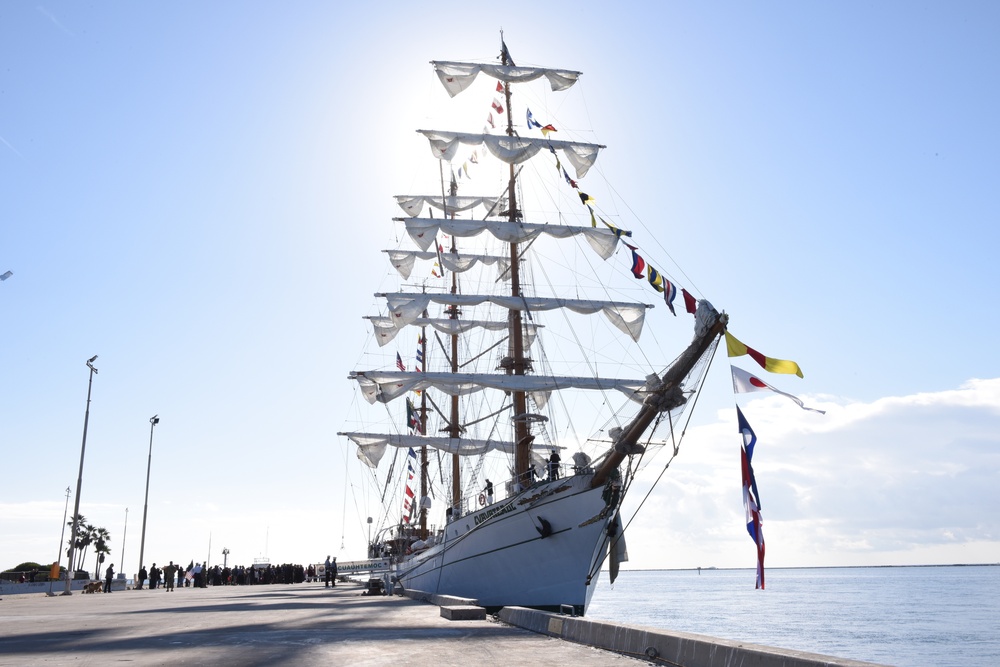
[677, 445]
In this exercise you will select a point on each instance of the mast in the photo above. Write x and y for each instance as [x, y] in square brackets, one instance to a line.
[453, 427]
[423, 431]
[517, 364]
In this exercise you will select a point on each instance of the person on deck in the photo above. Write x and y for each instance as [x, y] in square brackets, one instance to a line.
[489, 492]
[554, 465]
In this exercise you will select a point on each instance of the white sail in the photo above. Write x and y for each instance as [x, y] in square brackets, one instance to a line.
[385, 386]
[414, 204]
[403, 261]
[423, 231]
[513, 150]
[457, 76]
[626, 316]
[386, 327]
[371, 446]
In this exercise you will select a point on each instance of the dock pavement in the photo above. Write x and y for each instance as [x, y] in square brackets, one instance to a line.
[297, 624]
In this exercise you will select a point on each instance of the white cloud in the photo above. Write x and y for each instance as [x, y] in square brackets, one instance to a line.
[910, 478]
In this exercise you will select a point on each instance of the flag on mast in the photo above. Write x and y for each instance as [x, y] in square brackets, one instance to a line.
[751, 499]
[737, 349]
[408, 495]
[744, 382]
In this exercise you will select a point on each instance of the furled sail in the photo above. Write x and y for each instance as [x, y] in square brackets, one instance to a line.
[513, 150]
[626, 316]
[371, 446]
[414, 204]
[403, 261]
[385, 386]
[457, 76]
[386, 327]
[423, 231]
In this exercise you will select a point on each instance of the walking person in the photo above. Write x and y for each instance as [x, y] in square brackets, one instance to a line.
[109, 574]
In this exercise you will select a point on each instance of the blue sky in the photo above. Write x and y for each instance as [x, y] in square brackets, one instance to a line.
[198, 193]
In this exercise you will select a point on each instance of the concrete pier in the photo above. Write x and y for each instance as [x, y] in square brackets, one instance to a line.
[307, 624]
[301, 624]
[667, 648]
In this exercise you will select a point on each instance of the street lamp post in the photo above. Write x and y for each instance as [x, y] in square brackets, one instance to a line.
[62, 536]
[121, 558]
[153, 421]
[79, 479]
[225, 556]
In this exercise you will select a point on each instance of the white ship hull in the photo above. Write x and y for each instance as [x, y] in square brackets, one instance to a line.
[499, 556]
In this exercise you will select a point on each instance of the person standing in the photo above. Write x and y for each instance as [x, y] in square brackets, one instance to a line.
[142, 577]
[333, 577]
[168, 575]
[154, 577]
[109, 574]
[327, 570]
[489, 492]
[554, 466]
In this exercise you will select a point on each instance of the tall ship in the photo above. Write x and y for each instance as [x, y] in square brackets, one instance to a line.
[473, 430]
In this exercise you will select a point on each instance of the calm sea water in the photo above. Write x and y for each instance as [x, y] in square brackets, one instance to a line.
[906, 616]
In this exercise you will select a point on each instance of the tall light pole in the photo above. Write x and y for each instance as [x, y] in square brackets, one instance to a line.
[225, 556]
[79, 479]
[121, 558]
[153, 421]
[62, 535]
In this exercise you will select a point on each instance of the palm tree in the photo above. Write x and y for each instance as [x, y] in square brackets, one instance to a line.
[82, 540]
[101, 537]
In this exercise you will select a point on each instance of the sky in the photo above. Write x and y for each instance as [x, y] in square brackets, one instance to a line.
[193, 192]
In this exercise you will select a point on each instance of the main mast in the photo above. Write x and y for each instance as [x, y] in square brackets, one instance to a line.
[518, 364]
[454, 430]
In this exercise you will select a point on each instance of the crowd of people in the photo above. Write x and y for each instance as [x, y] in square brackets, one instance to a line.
[173, 576]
